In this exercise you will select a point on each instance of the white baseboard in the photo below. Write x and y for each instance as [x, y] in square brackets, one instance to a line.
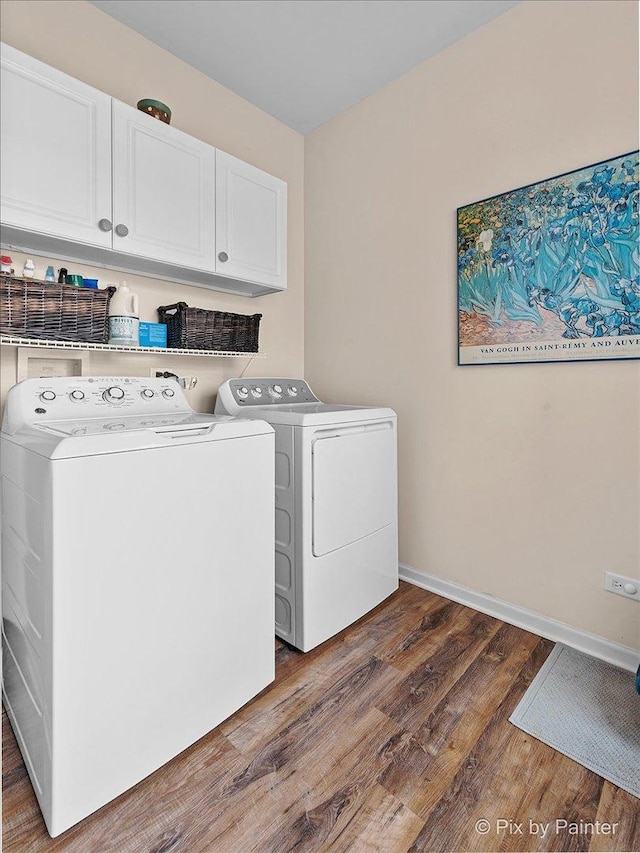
[536, 623]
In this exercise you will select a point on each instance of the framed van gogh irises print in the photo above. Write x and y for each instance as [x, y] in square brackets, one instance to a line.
[551, 271]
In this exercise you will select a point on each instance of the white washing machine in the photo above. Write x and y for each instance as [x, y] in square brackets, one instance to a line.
[336, 510]
[137, 613]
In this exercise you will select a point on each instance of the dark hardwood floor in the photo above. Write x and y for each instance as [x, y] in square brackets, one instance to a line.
[393, 736]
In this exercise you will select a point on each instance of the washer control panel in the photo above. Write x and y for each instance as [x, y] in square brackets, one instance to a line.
[270, 392]
[82, 397]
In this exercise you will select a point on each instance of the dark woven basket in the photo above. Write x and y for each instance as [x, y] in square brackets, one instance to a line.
[197, 328]
[51, 311]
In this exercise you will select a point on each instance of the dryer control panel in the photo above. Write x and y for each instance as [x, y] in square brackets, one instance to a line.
[266, 392]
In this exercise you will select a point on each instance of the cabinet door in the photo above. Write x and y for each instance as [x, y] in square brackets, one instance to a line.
[55, 152]
[251, 223]
[163, 191]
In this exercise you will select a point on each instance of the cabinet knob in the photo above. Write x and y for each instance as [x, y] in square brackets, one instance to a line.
[222, 256]
[105, 225]
[122, 230]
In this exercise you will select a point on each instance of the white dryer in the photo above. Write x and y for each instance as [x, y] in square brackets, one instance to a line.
[137, 613]
[336, 516]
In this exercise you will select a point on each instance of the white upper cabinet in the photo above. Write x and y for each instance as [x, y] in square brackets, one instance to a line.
[55, 153]
[163, 191]
[251, 223]
[90, 179]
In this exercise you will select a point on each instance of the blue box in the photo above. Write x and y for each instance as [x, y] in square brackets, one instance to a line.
[153, 334]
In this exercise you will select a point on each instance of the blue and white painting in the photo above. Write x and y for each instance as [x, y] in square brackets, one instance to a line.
[551, 271]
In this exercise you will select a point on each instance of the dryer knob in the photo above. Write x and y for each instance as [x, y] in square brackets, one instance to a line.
[292, 391]
[48, 396]
[147, 393]
[243, 393]
[77, 395]
[168, 393]
[257, 392]
[275, 390]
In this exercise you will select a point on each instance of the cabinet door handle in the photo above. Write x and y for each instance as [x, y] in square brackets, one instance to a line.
[105, 225]
[222, 256]
[122, 230]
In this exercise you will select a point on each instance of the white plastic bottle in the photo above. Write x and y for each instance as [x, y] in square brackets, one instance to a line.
[124, 321]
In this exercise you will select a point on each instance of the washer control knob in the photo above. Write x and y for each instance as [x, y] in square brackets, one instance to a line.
[275, 390]
[257, 392]
[77, 395]
[292, 391]
[147, 393]
[243, 392]
[168, 393]
[48, 396]
[113, 394]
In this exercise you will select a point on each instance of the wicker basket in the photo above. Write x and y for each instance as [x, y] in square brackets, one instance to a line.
[197, 328]
[51, 311]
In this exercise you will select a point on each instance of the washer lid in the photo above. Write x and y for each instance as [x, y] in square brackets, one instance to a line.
[95, 436]
[100, 426]
[316, 414]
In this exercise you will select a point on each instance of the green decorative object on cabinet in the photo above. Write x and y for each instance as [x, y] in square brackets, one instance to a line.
[156, 109]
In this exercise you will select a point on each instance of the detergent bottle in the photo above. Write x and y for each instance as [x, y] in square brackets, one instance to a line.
[124, 320]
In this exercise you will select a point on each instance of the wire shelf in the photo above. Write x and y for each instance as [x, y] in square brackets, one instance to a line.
[8, 341]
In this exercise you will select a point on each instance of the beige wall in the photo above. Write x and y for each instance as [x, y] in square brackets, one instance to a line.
[519, 481]
[77, 38]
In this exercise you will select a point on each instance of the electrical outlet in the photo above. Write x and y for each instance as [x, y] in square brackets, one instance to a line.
[158, 371]
[186, 382]
[627, 587]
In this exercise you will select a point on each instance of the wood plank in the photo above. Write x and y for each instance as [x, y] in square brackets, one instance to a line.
[339, 782]
[390, 633]
[381, 825]
[617, 807]
[445, 661]
[449, 821]
[426, 763]
[351, 694]
[256, 723]
[423, 634]
[248, 830]
[320, 801]
[567, 792]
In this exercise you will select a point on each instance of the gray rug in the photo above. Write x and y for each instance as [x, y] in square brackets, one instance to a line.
[589, 711]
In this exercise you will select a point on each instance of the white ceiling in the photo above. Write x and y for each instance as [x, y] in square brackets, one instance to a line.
[304, 61]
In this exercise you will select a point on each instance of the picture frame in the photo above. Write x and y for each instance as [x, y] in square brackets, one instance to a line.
[551, 271]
